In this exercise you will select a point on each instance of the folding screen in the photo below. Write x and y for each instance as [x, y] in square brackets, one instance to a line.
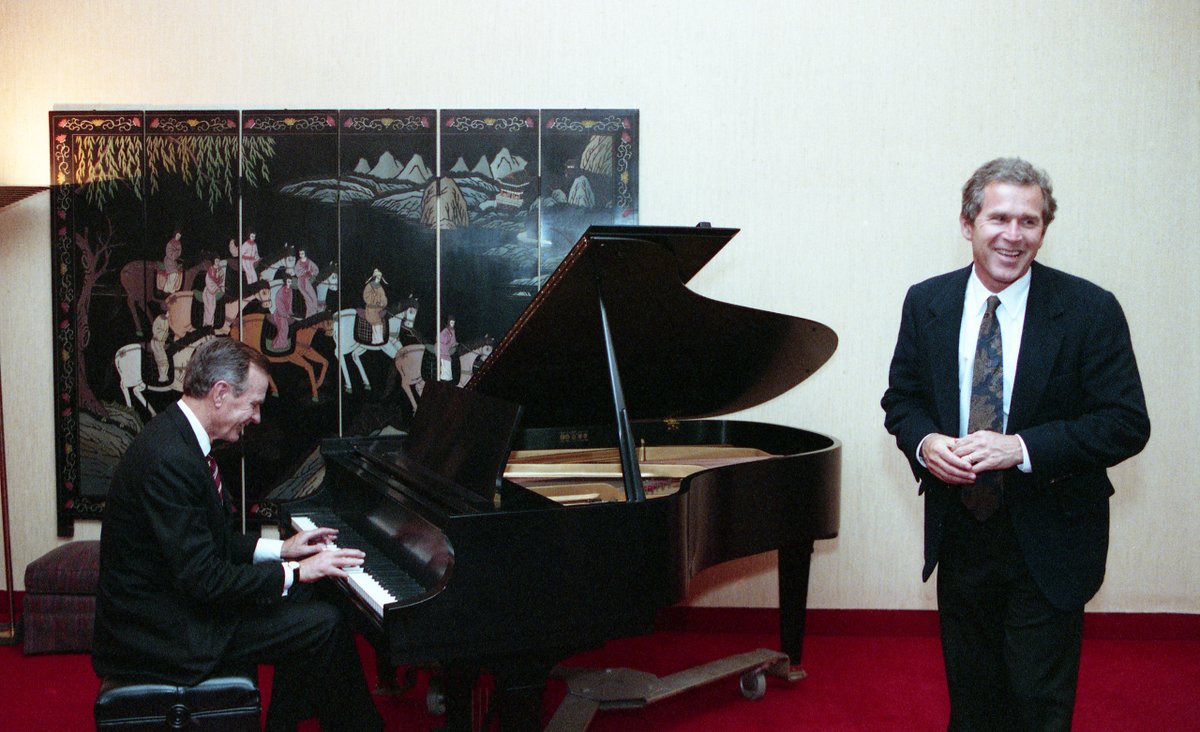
[363, 252]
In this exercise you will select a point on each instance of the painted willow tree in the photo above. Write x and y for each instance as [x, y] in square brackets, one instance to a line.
[207, 164]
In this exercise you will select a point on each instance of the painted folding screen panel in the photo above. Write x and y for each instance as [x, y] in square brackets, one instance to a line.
[283, 246]
[363, 252]
[488, 229]
[389, 262]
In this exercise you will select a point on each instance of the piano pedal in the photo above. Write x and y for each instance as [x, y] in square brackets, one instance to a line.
[387, 686]
[474, 705]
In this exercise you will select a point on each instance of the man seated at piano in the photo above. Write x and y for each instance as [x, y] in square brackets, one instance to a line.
[183, 597]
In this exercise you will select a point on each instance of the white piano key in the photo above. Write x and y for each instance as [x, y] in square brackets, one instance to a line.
[360, 581]
[368, 589]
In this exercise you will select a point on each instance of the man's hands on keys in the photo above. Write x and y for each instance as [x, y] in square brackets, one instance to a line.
[320, 556]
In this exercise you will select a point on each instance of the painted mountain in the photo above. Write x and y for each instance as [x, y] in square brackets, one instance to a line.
[499, 193]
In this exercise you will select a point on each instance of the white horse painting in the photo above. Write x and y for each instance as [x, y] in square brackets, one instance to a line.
[128, 361]
[349, 348]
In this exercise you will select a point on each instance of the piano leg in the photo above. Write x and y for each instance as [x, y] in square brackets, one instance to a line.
[794, 564]
[516, 700]
[457, 681]
[385, 672]
[520, 685]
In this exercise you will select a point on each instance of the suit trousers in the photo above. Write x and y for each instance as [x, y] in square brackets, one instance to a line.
[1012, 658]
[318, 670]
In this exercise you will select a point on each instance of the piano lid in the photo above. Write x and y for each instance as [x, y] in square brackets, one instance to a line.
[680, 355]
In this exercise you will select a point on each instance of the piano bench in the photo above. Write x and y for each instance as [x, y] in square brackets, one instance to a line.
[227, 703]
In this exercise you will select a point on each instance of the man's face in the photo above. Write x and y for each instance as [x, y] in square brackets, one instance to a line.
[237, 411]
[1007, 233]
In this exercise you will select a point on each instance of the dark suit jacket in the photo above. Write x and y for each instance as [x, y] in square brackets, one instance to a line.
[1077, 402]
[173, 575]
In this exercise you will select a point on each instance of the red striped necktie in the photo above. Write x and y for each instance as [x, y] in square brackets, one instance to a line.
[216, 476]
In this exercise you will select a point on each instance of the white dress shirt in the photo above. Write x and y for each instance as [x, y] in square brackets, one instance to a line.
[1011, 317]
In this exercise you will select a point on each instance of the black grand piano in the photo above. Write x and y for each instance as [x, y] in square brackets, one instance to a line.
[572, 489]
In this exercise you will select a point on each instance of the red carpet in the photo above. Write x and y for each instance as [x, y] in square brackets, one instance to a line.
[855, 682]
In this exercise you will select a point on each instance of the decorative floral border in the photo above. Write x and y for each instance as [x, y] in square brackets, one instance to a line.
[63, 125]
[387, 120]
[288, 121]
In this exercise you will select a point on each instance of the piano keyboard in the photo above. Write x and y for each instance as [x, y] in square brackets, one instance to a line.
[378, 582]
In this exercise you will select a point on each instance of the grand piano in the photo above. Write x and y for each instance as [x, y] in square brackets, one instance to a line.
[577, 483]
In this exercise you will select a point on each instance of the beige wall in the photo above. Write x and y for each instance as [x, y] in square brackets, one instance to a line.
[836, 135]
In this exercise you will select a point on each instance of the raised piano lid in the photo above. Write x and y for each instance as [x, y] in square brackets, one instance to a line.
[680, 355]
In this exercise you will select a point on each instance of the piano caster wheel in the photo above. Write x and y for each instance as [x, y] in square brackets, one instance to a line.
[435, 701]
[753, 684]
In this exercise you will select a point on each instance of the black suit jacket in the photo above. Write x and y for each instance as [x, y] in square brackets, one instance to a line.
[174, 576]
[1077, 403]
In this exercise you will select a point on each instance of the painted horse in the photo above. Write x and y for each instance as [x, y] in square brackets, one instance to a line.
[409, 359]
[350, 347]
[138, 279]
[128, 361]
[302, 355]
[280, 267]
[179, 308]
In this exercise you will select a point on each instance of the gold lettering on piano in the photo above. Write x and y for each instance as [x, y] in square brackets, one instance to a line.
[569, 437]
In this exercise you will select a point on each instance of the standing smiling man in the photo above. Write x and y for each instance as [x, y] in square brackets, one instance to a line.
[183, 597]
[1012, 389]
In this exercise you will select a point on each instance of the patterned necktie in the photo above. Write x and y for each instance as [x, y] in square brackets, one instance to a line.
[987, 409]
[216, 476]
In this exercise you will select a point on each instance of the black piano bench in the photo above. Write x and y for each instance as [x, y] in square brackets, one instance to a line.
[226, 703]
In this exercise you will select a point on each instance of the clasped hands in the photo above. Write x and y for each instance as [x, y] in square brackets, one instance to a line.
[318, 556]
[957, 460]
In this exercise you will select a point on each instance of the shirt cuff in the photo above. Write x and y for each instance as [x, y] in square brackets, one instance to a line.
[1025, 466]
[921, 460]
[268, 550]
[291, 570]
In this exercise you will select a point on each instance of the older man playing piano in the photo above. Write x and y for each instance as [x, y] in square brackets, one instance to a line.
[183, 597]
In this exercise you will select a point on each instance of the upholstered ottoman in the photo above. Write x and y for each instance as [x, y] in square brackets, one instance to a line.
[60, 599]
[228, 703]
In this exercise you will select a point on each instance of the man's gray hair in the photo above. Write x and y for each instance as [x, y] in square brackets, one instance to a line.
[221, 359]
[1007, 170]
